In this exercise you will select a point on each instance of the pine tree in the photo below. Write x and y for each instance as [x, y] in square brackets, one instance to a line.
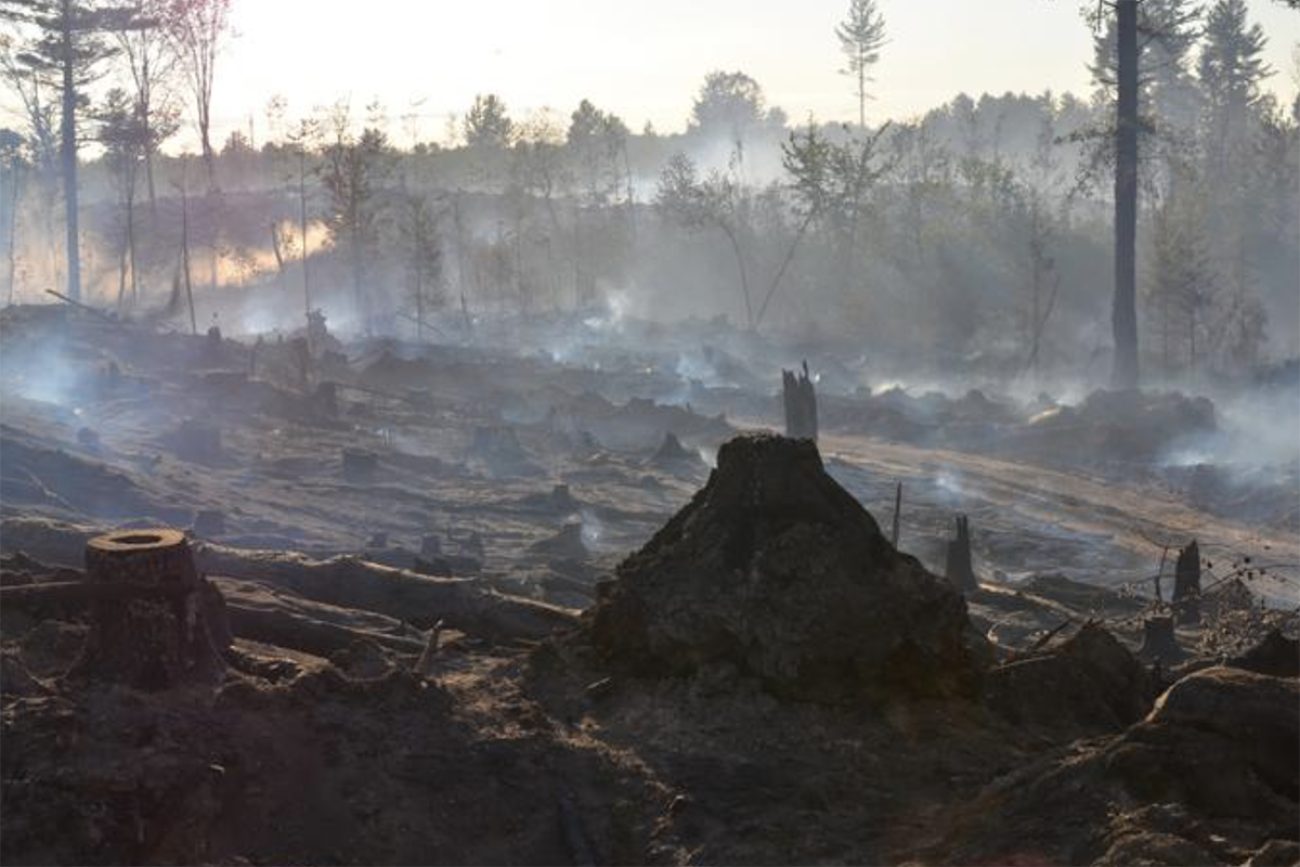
[861, 35]
[66, 51]
[1231, 68]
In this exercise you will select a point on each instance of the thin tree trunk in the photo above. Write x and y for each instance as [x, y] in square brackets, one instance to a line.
[13, 231]
[185, 252]
[69, 155]
[130, 242]
[744, 275]
[1124, 309]
[302, 215]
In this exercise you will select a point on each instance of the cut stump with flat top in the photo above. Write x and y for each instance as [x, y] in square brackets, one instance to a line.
[163, 635]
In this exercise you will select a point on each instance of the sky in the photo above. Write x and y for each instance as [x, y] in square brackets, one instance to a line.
[645, 59]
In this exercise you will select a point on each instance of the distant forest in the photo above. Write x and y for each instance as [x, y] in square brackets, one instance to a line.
[978, 235]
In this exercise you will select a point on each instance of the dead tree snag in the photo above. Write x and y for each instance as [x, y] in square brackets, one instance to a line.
[800, 404]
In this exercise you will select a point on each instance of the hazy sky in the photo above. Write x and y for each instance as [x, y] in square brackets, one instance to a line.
[644, 59]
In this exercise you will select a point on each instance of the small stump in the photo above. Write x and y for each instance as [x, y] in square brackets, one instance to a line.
[160, 625]
[209, 523]
[359, 465]
[1159, 640]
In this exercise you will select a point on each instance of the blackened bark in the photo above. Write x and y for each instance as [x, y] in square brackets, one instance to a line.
[1124, 310]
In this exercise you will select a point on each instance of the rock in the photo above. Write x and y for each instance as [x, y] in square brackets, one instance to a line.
[776, 569]
[1086, 680]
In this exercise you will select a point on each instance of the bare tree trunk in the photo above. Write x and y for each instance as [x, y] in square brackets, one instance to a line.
[13, 231]
[1124, 309]
[302, 215]
[69, 154]
[185, 251]
[744, 274]
[130, 241]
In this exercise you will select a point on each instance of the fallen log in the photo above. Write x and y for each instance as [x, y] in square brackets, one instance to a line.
[279, 626]
[79, 594]
[286, 629]
[464, 604]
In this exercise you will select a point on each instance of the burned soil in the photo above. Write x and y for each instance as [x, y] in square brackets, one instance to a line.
[475, 606]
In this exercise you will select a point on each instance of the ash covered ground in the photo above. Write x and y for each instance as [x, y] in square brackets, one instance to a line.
[498, 602]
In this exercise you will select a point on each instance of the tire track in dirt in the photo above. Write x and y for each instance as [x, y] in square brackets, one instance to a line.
[1130, 514]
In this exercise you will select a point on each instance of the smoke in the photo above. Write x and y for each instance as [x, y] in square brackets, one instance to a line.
[1256, 430]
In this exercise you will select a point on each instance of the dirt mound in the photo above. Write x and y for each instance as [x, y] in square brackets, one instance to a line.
[1208, 777]
[567, 544]
[1114, 425]
[1223, 741]
[1086, 680]
[671, 453]
[776, 569]
[497, 451]
[1275, 655]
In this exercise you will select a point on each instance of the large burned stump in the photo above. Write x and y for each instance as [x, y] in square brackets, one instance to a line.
[161, 624]
[776, 569]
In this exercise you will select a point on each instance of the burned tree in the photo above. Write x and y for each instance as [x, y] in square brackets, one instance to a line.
[800, 398]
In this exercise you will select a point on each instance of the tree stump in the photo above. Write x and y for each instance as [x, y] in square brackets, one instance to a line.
[359, 465]
[800, 404]
[1158, 639]
[960, 566]
[166, 631]
[1187, 584]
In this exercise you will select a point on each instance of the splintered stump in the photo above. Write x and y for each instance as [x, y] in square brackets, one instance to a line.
[160, 626]
[800, 404]
[1187, 584]
[960, 569]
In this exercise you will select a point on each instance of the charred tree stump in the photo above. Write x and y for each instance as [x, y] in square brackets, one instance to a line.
[325, 400]
[960, 568]
[359, 465]
[1158, 639]
[166, 633]
[1187, 584]
[800, 404]
[898, 510]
